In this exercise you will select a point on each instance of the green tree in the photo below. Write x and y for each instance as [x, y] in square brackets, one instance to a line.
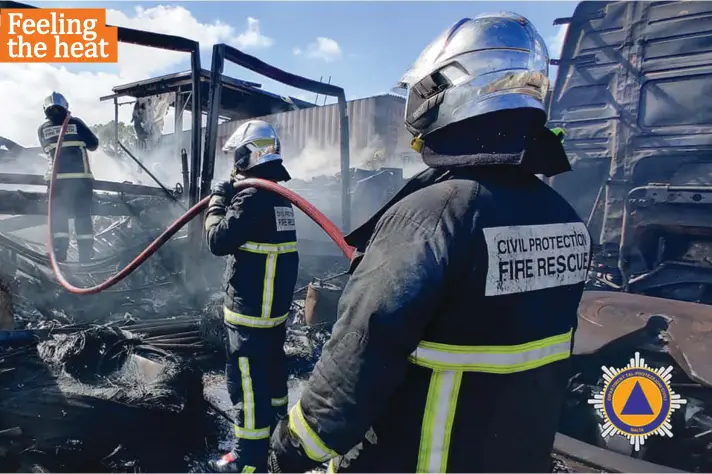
[105, 133]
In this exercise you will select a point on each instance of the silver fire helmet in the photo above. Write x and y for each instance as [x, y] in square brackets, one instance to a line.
[55, 101]
[496, 61]
[254, 143]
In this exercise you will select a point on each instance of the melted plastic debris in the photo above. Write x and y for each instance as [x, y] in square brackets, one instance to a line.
[80, 396]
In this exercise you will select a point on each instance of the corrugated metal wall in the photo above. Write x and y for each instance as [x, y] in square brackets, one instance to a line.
[374, 122]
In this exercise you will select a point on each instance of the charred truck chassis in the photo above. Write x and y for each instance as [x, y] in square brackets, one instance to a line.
[639, 142]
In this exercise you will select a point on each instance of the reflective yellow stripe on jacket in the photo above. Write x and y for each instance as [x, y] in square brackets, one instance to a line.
[313, 446]
[271, 252]
[449, 363]
[85, 158]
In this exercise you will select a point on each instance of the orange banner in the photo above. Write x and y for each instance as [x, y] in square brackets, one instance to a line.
[57, 35]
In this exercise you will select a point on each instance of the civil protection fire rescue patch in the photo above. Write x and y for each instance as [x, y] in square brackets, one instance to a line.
[51, 132]
[636, 401]
[284, 218]
[535, 257]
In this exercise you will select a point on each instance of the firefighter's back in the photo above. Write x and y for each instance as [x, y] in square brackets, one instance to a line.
[73, 158]
[262, 272]
[493, 365]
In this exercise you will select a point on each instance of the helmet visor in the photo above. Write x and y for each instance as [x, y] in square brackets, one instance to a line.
[425, 63]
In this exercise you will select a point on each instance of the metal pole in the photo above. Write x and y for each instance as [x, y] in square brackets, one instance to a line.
[195, 226]
[316, 99]
[326, 97]
[138, 162]
[116, 123]
[178, 121]
[345, 165]
[211, 133]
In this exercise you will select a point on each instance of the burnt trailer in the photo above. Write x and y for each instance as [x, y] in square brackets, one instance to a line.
[629, 94]
[153, 98]
[141, 210]
[148, 207]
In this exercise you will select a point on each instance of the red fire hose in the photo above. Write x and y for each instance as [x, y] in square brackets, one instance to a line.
[313, 213]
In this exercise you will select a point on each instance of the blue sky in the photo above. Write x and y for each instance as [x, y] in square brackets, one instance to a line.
[364, 46]
[378, 40]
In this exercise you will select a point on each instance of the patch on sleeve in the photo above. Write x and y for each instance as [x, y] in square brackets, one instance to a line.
[51, 132]
[284, 217]
[529, 258]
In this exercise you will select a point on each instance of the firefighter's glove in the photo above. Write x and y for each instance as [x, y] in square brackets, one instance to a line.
[224, 189]
[222, 194]
[287, 454]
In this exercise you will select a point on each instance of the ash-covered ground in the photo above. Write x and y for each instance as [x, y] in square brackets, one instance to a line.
[135, 392]
[130, 394]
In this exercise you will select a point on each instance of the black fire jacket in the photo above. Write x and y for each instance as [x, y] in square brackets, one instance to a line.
[451, 352]
[257, 232]
[73, 159]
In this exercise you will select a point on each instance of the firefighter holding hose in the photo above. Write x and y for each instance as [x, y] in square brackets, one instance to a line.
[256, 230]
[73, 189]
[452, 348]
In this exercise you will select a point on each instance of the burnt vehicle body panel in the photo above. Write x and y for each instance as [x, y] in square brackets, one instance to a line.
[608, 318]
[613, 327]
[629, 94]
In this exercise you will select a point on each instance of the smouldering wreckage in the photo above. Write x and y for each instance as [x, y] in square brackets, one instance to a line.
[129, 379]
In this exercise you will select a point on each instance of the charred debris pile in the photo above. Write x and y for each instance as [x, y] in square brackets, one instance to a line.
[128, 395]
[74, 402]
[115, 381]
[121, 233]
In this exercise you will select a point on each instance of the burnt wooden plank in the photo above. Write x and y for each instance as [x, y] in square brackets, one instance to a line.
[111, 186]
[35, 203]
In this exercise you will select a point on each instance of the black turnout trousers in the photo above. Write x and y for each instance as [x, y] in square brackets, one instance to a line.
[256, 374]
[73, 198]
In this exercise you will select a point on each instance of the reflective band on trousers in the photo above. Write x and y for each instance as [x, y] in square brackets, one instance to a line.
[449, 363]
[244, 433]
[493, 359]
[313, 446]
[238, 319]
[249, 431]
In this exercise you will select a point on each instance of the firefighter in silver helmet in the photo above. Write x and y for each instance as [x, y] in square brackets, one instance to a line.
[73, 189]
[255, 229]
[451, 351]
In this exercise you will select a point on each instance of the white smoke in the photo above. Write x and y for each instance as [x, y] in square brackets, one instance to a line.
[316, 160]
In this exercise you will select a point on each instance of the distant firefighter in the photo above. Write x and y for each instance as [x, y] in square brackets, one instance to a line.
[75, 182]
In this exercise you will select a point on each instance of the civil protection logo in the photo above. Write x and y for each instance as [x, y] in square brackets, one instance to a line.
[636, 401]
